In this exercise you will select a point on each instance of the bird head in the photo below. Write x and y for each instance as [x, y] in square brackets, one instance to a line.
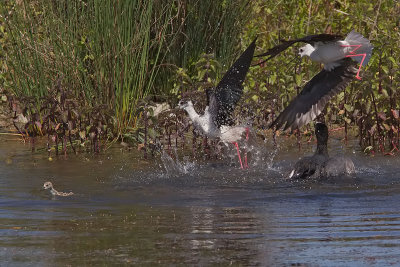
[321, 132]
[306, 50]
[183, 104]
[48, 185]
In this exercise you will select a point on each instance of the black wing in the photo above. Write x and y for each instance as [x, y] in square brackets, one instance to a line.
[304, 168]
[310, 39]
[222, 102]
[315, 94]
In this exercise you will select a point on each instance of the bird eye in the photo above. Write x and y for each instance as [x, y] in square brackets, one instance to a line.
[301, 50]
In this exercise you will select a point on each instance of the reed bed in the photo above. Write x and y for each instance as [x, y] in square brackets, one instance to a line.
[107, 56]
[118, 59]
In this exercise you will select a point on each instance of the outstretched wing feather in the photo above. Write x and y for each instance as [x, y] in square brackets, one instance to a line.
[316, 93]
[230, 89]
[310, 39]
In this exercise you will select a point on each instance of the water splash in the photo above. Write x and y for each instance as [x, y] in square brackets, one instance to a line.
[259, 155]
[174, 166]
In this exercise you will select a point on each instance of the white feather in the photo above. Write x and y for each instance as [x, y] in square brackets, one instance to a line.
[355, 38]
[205, 124]
[330, 53]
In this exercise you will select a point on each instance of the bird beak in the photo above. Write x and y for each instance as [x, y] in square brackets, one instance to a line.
[180, 104]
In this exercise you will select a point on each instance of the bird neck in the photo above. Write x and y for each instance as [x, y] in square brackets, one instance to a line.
[308, 49]
[322, 148]
[53, 191]
[192, 112]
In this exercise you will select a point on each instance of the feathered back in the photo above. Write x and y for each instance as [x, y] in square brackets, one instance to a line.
[310, 39]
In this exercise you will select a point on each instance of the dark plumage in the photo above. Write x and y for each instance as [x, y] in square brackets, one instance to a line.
[316, 93]
[217, 120]
[221, 102]
[339, 58]
[320, 164]
[310, 39]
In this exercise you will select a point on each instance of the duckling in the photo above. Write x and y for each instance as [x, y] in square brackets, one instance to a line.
[49, 185]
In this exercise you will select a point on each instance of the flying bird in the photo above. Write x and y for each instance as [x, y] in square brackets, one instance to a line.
[217, 120]
[339, 69]
[329, 49]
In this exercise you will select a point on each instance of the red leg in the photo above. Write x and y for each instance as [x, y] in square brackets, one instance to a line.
[354, 50]
[237, 148]
[247, 133]
[358, 55]
[245, 161]
[245, 155]
[394, 147]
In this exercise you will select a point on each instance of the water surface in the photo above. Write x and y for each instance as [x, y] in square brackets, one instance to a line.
[129, 211]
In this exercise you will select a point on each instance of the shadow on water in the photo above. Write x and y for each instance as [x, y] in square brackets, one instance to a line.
[174, 210]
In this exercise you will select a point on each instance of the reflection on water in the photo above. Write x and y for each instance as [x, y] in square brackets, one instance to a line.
[128, 211]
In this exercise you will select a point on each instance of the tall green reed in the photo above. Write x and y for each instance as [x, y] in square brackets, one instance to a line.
[203, 27]
[107, 51]
[115, 52]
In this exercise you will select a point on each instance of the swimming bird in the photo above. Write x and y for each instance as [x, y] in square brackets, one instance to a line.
[320, 164]
[217, 120]
[49, 186]
[329, 49]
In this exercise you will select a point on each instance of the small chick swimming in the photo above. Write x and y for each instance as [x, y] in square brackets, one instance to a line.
[49, 185]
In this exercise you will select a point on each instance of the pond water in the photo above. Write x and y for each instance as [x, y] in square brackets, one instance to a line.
[129, 211]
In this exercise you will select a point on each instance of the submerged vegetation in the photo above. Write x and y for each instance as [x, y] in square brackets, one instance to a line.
[83, 72]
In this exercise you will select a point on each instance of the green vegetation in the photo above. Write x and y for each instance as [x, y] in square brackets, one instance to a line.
[370, 105]
[107, 55]
[116, 58]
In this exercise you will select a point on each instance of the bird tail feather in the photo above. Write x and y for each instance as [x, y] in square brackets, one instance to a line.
[355, 38]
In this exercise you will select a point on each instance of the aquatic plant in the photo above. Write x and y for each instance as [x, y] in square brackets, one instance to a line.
[116, 68]
[61, 118]
[111, 52]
